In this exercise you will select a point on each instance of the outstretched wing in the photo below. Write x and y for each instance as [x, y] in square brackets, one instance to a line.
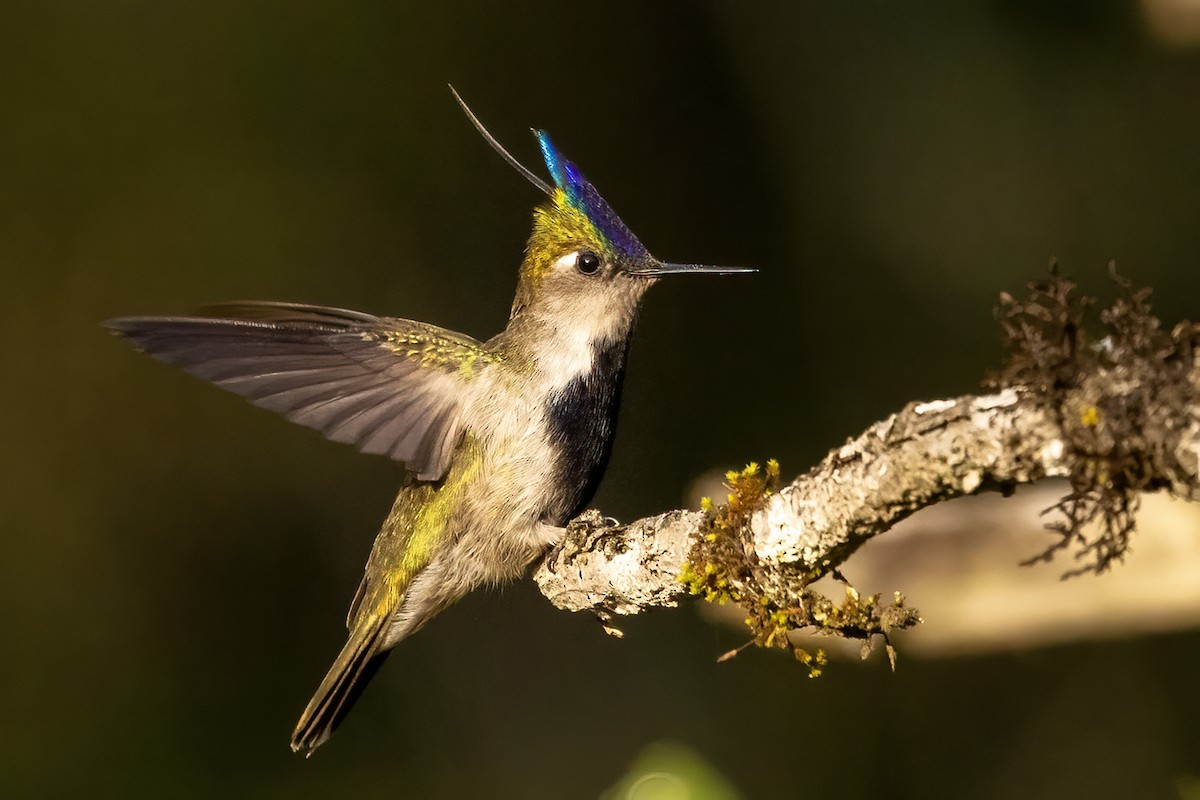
[389, 386]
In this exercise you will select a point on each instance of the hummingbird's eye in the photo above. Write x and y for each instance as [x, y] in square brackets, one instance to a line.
[587, 262]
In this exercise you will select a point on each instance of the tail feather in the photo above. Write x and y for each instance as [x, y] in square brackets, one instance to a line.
[343, 684]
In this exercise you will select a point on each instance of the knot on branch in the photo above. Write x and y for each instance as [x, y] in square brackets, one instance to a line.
[618, 569]
[1123, 391]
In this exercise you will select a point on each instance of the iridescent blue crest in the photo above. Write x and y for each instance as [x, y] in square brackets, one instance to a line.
[584, 198]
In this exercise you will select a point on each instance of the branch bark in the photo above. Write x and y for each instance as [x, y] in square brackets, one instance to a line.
[1117, 414]
[927, 453]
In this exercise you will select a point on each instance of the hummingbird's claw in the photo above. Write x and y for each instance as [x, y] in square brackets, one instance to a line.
[551, 561]
[605, 619]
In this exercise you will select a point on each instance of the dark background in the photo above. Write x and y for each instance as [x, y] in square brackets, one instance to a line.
[177, 564]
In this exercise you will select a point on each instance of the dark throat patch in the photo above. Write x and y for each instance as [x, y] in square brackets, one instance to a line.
[582, 420]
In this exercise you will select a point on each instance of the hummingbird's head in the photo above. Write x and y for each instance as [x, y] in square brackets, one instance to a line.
[582, 261]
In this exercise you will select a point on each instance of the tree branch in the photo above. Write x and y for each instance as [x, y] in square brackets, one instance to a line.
[1118, 416]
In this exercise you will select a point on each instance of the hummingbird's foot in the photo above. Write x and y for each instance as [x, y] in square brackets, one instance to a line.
[555, 538]
[552, 557]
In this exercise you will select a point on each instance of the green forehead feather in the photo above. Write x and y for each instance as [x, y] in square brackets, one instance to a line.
[558, 228]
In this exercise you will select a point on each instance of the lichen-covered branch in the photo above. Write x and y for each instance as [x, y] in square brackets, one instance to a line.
[927, 453]
[1116, 410]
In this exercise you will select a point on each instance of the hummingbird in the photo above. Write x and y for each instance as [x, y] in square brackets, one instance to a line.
[502, 441]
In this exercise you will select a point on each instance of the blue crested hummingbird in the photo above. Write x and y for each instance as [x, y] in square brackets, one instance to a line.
[503, 441]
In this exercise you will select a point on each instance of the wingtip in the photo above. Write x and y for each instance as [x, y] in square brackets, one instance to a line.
[123, 327]
[133, 329]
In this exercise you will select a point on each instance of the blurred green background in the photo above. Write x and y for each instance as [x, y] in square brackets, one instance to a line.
[177, 564]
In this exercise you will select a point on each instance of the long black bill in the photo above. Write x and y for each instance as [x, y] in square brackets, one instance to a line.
[655, 269]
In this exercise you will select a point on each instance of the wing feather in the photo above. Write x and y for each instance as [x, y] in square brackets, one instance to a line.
[388, 386]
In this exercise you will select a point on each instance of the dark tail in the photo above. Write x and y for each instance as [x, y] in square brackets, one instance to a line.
[344, 682]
